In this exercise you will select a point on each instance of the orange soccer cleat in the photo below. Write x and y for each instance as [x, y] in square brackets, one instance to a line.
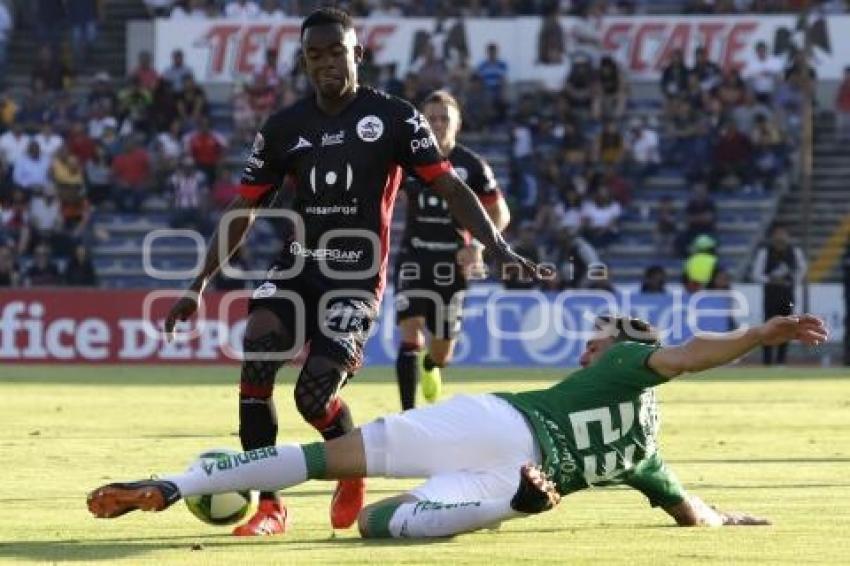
[271, 518]
[347, 502]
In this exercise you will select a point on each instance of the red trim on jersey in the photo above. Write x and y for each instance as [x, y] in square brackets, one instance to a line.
[430, 172]
[490, 198]
[254, 192]
[394, 177]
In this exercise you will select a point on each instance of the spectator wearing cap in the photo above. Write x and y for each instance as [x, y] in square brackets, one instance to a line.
[763, 72]
[102, 94]
[700, 265]
[178, 72]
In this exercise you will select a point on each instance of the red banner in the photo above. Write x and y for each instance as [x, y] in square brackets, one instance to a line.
[90, 325]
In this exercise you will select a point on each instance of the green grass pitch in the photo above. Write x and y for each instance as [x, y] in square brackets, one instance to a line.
[774, 443]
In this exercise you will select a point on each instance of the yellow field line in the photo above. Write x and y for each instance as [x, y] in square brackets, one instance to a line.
[830, 252]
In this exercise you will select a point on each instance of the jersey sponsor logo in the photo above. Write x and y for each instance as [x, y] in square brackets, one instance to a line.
[333, 139]
[370, 128]
[418, 121]
[431, 201]
[259, 143]
[422, 143]
[300, 144]
[434, 246]
[326, 254]
[334, 209]
[331, 178]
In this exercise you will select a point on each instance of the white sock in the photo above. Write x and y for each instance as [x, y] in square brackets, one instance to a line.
[434, 519]
[266, 469]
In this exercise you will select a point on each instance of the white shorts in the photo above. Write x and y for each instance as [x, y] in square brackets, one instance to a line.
[471, 447]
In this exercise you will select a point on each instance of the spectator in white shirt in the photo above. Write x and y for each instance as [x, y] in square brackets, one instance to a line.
[48, 140]
[13, 144]
[601, 216]
[763, 72]
[45, 215]
[242, 10]
[643, 151]
[31, 170]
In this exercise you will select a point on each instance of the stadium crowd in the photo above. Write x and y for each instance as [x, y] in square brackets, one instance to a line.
[578, 155]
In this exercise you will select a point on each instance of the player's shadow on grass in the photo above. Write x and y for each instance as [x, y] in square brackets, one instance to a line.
[92, 550]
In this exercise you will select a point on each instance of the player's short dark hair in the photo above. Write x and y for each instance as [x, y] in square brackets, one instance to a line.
[441, 97]
[628, 329]
[327, 16]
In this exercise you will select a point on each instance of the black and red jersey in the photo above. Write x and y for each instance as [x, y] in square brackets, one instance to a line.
[345, 170]
[429, 225]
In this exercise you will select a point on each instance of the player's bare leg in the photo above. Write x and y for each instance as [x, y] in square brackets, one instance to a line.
[693, 512]
[408, 363]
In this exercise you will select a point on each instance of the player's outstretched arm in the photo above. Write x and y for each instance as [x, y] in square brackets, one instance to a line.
[706, 352]
[468, 211]
[229, 234]
[693, 512]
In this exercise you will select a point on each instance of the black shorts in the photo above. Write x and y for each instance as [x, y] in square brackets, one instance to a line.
[426, 286]
[334, 320]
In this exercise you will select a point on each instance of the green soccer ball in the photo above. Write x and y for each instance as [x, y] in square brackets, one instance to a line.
[219, 508]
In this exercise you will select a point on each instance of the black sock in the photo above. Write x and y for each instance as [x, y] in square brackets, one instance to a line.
[407, 374]
[430, 364]
[340, 421]
[258, 427]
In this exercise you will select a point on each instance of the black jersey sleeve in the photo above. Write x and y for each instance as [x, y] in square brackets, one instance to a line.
[483, 181]
[265, 168]
[416, 147]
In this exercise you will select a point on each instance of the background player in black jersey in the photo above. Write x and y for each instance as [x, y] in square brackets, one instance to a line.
[343, 151]
[436, 256]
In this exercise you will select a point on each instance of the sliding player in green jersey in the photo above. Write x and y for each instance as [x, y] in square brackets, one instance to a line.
[499, 456]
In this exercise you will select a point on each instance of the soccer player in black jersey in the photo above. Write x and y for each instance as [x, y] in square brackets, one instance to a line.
[436, 256]
[344, 151]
